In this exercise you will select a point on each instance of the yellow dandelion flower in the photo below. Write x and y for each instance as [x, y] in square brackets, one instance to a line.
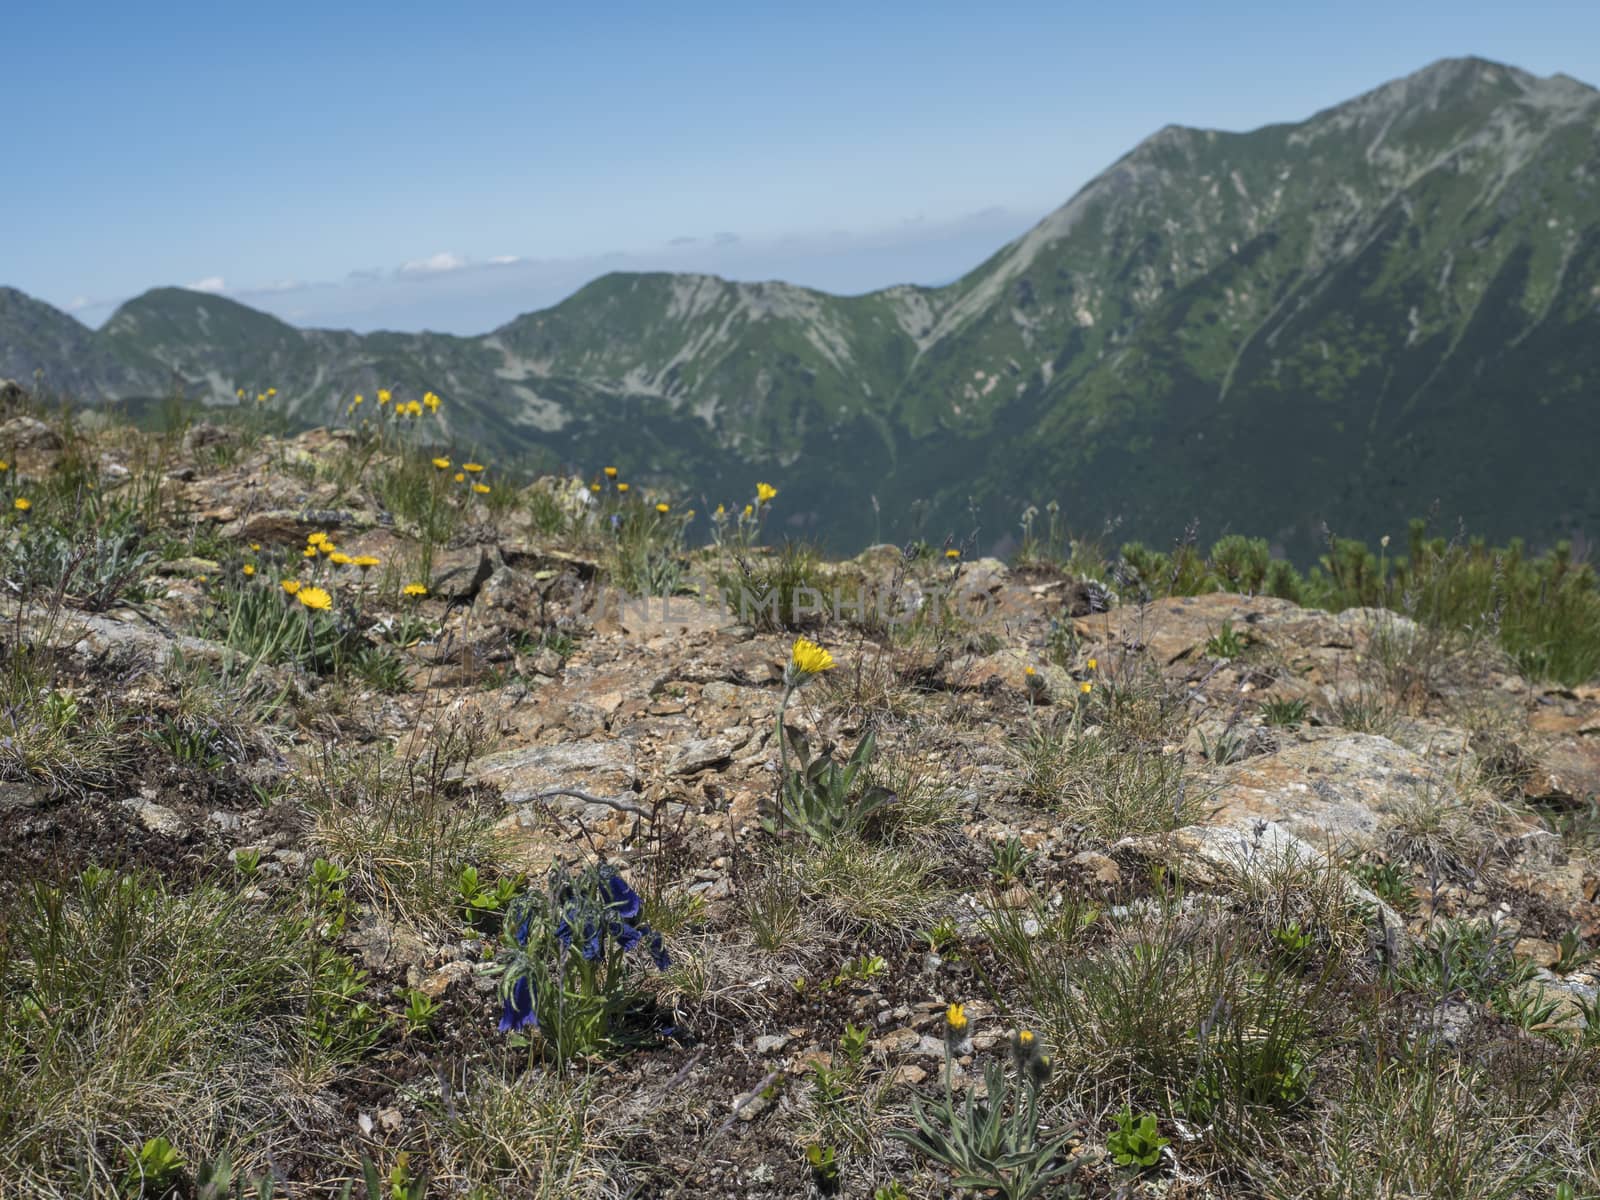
[1094, 664]
[952, 554]
[249, 569]
[384, 396]
[413, 409]
[255, 547]
[239, 392]
[4, 465]
[622, 487]
[806, 659]
[748, 511]
[765, 492]
[472, 468]
[22, 504]
[431, 402]
[481, 488]
[721, 511]
[271, 392]
[460, 478]
[290, 585]
[359, 400]
[316, 539]
[955, 1021]
[309, 552]
[442, 463]
[328, 548]
[611, 472]
[663, 507]
[594, 487]
[315, 598]
[415, 590]
[365, 561]
[339, 559]
[1086, 687]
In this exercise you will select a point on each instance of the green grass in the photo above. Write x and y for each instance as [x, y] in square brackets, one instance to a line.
[129, 1011]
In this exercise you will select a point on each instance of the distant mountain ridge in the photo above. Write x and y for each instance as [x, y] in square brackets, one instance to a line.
[1341, 320]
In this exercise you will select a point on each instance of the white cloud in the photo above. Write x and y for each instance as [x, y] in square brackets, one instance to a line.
[79, 303]
[434, 264]
[211, 283]
[504, 260]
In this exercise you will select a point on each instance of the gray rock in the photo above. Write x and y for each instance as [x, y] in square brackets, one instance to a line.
[157, 818]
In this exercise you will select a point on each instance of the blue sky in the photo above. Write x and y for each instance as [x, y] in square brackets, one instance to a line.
[373, 165]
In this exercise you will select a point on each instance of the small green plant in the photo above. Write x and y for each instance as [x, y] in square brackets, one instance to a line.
[1282, 711]
[1294, 943]
[820, 799]
[1572, 953]
[942, 935]
[153, 1170]
[994, 1144]
[1225, 643]
[482, 906]
[823, 1161]
[1228, 748]
[247, 861]
[1008, 862]
[894, 1190]
[421, 1009]
[381, 668]
[339, 1020]
[1390, 883]
[1135, 1143]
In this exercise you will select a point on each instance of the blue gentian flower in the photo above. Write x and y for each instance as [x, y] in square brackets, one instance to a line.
[516, 1010]
[658, 952]
[624, 901]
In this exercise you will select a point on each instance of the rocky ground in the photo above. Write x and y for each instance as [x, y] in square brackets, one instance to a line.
[1211, 801]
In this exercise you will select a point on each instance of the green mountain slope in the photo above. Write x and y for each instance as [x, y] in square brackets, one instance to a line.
[1391, 306]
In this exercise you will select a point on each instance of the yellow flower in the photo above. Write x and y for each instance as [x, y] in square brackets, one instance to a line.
[748, 511]
[290, 585]
[384, 396]
[415, 590]
[431, 401]
[806, 659]
[272, 392]
[442, 463]
[314, 597]
[365, 561]
[481, 488]
[472, 468]
[721, 512]
[4, 465]
[340, 559]
[952, 553]
[594, 487]
[22, 504]
[309, 552]
[460, 478]
[255, 547]
[1086, 687]
[622, 487]
[261, 397]
[765, 492]
[359, 400]
[611, 472]
[413, 409]
[1094, 665]
[663, 507]
[249, 569]
[955, 1021]
[239, 392]
[316, 539]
